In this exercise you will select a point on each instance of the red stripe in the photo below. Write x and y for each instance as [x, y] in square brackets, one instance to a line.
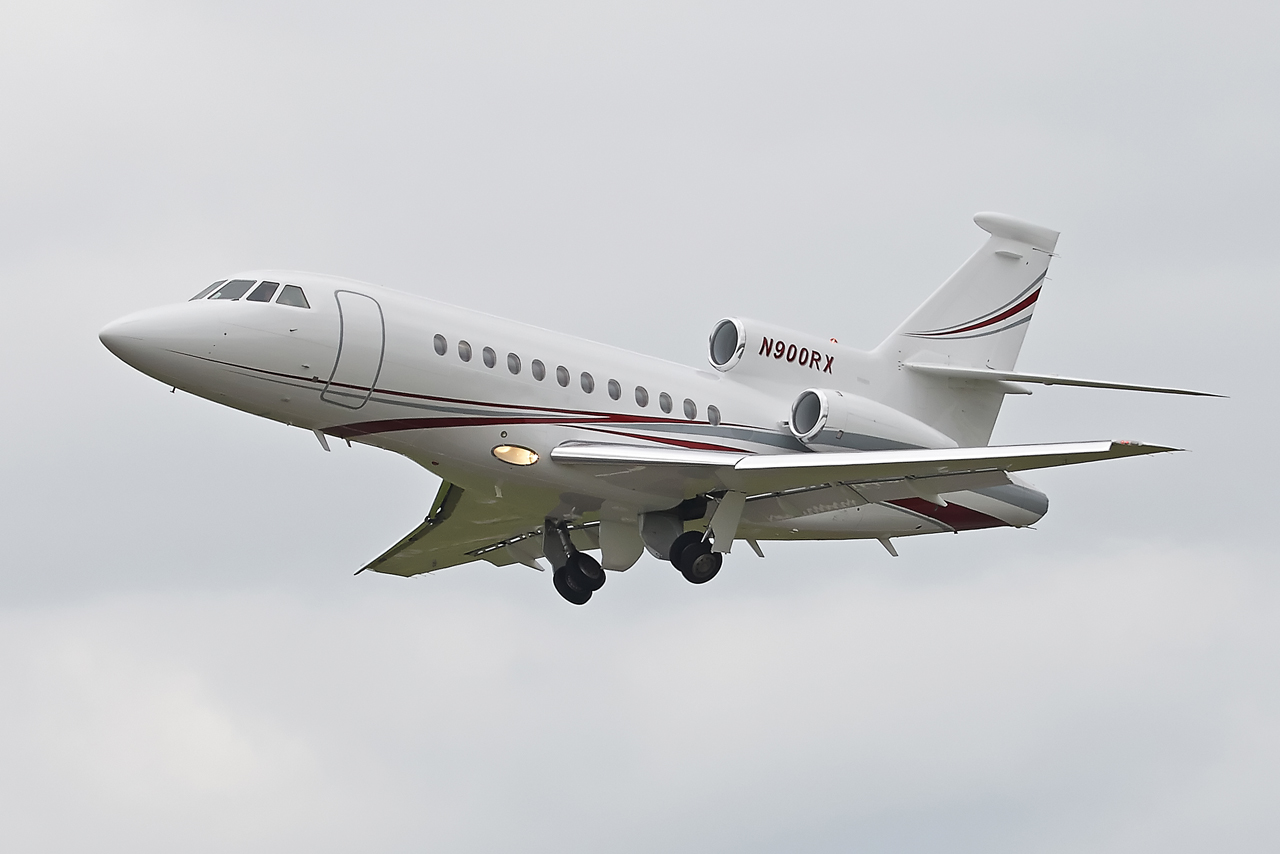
[680, 443]
[1007, 313]
[955, 516]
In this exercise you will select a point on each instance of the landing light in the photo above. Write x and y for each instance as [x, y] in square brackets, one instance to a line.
[516, 455]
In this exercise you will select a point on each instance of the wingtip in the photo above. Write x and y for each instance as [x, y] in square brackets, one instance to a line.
[1144, 447]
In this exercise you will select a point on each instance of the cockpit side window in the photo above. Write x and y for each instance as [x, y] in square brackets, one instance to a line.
[263, 292]
[204, 293]
[233, 289]
[293, 295]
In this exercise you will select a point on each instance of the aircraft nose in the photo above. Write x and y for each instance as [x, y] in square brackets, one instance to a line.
[127, 338]
[144, 340]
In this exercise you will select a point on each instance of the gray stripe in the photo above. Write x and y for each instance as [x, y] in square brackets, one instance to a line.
[1022, 497]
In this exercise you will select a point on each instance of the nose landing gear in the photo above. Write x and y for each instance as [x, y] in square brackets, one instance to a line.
[692, 555]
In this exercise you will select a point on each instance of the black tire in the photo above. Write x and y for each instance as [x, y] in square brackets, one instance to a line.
[572, 593]
[585, 571]
[682, 542]
[700, 564]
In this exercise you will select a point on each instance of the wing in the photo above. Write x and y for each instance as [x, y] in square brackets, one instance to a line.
[466, 525]
[772, 473]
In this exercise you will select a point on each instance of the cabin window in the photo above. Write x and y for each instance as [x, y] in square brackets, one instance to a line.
[263, 292]
[233, 289]
[293, 295]
[441, 345]
[464, 351]
[713, 415]
[490, 357]
[664, 400]
[642, 396]
[204, 293]
[588, 382]
[538, 370]
[690, 409]
[513, 363]
[615, 390]
[562, 376]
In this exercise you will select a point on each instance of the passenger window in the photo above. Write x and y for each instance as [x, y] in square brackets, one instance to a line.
[513, 363]
[490, 357]
[293, 295]
[441, 345]
[642, 396]
[204, 293]
[464, 351]
[233, 289]
[664, 400]
[538, 370]
[263, 292]
[615, 390]
[690, 409]
[713, 415]
[588, 383]
[562, 376]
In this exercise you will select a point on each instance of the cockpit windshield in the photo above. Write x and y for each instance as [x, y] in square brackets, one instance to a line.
[233, 289]
[293, 295]
[204, 293]
[264, 292]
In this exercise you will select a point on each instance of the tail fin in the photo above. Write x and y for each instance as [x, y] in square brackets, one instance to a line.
[978, 318]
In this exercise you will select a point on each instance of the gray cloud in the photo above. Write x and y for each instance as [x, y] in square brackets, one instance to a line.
[184, 674]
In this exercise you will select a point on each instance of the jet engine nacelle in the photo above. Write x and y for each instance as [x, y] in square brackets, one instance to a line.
[826, 419]
[750, 348]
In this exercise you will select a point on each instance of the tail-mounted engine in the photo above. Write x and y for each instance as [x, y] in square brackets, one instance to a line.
[751, 348]
[826, 419]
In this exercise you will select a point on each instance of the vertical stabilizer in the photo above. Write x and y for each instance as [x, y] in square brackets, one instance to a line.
[977, 318]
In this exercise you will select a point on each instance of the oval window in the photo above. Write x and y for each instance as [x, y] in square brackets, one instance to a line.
[538, 370]
[642, 396]
[690, 409]
[562, 376]
[464, 351]
[442, 346]
[513, 363]
[713, 415]
[615, 390]
[490, 357]
[588, 382]
[664, 400]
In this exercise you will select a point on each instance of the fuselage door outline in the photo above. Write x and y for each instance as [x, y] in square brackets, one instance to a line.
[351, 372]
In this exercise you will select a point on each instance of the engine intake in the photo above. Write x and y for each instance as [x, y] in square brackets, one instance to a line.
[837, 420]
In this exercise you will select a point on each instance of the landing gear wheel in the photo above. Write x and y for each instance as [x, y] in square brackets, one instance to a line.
[682, 542]
[567, 587]
[699, 564]
[692, 555]
[585, 572]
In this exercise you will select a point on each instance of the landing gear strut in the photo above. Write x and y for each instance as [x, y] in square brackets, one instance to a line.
[579, 576]
[692, 555]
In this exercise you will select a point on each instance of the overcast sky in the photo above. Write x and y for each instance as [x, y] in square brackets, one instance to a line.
[187, 661]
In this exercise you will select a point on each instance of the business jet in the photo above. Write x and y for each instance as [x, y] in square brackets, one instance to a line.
[550, 446]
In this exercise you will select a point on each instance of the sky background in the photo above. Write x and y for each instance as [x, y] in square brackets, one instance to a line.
[187, 661]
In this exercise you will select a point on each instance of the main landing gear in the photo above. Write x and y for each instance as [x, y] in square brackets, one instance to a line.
[577, 575]
[692, 555]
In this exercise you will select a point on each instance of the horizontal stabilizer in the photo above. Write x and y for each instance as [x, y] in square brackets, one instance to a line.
[989, 376]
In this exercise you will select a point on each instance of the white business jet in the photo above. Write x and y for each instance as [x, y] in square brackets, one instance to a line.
[550, 446]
